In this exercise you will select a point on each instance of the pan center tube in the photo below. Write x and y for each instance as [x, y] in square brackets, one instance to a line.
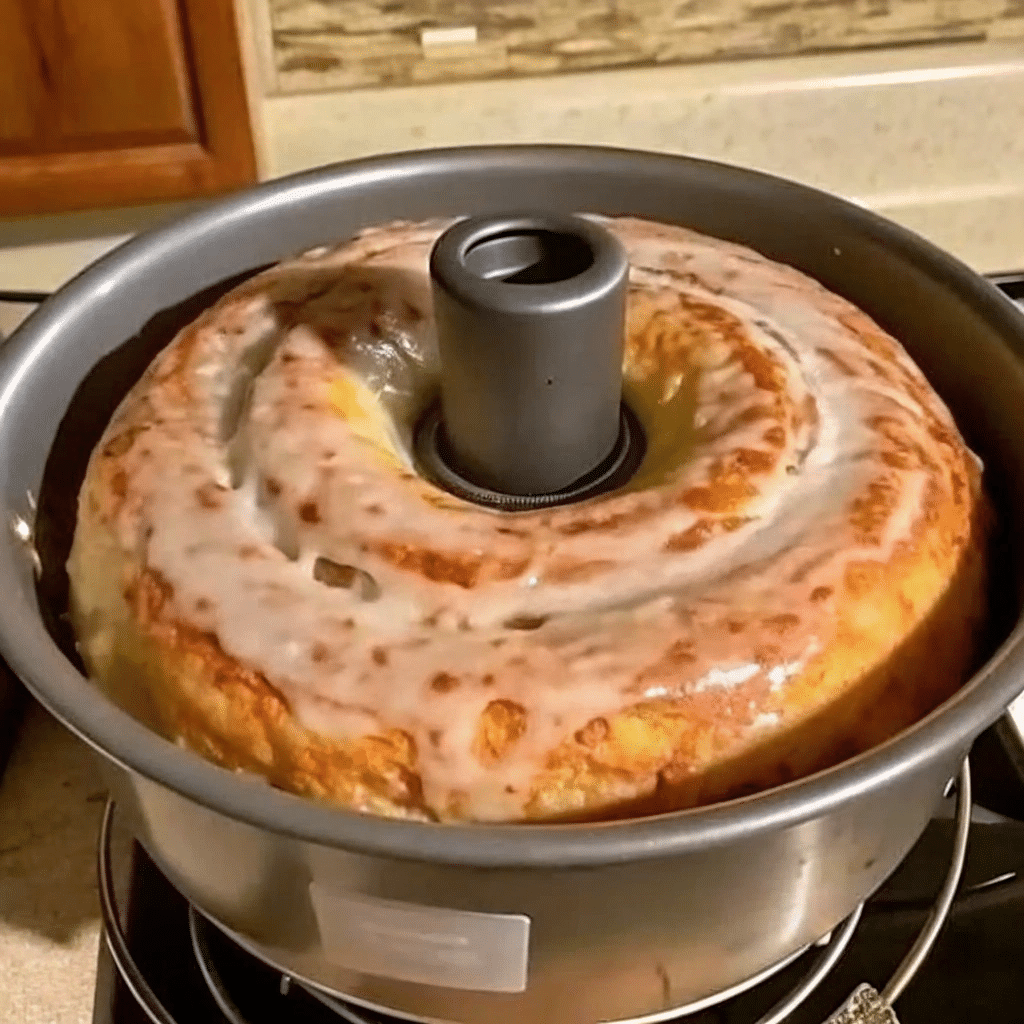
[530, 316]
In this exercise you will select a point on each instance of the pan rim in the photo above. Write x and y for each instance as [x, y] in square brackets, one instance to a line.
[35, 657]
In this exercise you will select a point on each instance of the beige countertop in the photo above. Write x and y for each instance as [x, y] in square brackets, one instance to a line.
[51, 799]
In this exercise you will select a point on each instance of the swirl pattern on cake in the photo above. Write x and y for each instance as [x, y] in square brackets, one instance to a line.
[795, 574]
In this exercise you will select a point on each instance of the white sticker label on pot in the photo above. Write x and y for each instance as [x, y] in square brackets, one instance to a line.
[429, 945]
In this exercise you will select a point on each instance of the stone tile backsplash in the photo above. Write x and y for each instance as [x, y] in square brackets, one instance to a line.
[343, 44]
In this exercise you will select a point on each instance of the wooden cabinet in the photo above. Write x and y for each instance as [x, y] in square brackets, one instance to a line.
[113, 102]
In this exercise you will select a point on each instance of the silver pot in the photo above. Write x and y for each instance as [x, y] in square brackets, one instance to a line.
[502, 925]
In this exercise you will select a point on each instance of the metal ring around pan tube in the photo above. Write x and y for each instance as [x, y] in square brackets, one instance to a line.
[834, 947]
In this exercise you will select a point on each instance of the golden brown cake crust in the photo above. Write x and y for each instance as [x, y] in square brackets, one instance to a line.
[796, 573]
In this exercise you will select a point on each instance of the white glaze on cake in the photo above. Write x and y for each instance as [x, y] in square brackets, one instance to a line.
[729, 595]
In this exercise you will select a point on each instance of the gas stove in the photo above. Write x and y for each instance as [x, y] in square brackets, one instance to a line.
[163, 963]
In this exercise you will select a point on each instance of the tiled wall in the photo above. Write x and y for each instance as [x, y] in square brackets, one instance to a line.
[341, 44]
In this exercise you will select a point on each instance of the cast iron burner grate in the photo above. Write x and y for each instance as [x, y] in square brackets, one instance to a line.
[175, 967]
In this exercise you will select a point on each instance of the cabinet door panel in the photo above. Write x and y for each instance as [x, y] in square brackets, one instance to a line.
[122, 78]
[111, 102]
[22, 93]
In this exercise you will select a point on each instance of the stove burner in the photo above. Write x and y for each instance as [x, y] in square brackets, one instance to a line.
[217, 958]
